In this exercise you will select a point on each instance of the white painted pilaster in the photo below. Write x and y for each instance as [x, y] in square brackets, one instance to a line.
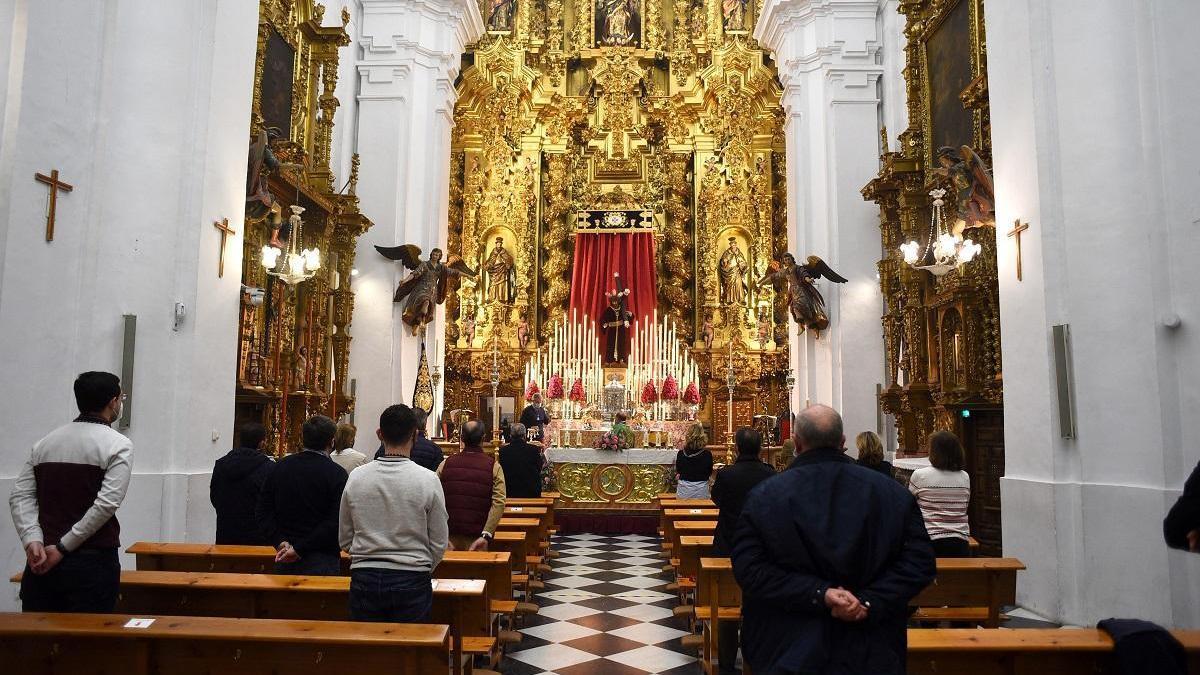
[409, 55]
[825, 51]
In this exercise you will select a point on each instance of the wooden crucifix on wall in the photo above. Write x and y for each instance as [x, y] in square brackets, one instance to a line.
[1018, 228]
[55, 185]
[223, 226]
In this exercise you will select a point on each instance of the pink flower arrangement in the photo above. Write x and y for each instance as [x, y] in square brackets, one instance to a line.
[691, 395]
[554, 390]
[531, 390]
[670, 390]
[649, 393]
[611, 442]
[577, 394]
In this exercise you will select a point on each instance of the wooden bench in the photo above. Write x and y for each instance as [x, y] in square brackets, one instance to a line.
[718, 598]
[969, 590]
[1025, 651]
[46, 644]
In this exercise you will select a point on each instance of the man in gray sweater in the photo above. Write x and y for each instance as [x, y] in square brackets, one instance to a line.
[393, 522]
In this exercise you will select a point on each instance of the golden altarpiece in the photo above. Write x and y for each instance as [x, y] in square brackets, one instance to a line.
[294, 345]
[942, 333]
[661, 107]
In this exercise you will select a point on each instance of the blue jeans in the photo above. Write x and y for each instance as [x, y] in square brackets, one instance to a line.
[313, 563]
[390, 595]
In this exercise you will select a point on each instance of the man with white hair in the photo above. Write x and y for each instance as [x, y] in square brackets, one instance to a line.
[828, 555]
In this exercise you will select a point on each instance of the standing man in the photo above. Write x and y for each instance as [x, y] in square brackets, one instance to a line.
[828, 554]
[521, 463]
[730, 489]
[298, 508]
[237, 481]
[534, 418]
[473, 483]
[393, 522]
[64, 505]
[425, 452]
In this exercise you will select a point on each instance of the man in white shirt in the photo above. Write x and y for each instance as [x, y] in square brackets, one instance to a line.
[64, 505]
[393, 522]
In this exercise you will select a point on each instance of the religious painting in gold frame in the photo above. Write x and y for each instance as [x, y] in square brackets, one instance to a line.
[950, 64]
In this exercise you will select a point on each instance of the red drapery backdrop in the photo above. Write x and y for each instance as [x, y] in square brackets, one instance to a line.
[597, 256]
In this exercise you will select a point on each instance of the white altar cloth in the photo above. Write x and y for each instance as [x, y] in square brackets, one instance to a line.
[594, 456]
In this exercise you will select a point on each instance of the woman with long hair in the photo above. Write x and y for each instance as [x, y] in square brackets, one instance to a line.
[694, 465]
[344, 453]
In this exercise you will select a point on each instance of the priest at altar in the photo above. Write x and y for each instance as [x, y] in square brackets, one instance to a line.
[535, 418]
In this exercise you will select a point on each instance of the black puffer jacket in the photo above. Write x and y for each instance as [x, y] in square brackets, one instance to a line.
[237, 479]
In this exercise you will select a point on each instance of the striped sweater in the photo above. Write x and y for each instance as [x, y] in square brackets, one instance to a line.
[943, 497]
[69, 490]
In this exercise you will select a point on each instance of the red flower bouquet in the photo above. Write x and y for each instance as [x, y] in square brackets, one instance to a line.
[577, 394]
[531, 390]
[691, 395]
[554, 390]
[670, 390]
[649, 393]
[611, 441]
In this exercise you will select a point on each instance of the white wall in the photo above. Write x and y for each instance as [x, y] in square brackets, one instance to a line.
[826, 55]
[142, 105]
[1095, 108]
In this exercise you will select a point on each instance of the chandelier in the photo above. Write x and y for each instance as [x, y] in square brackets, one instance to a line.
[298, 265]
[949, 250]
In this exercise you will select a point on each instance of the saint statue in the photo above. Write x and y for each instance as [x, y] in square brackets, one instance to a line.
[971, 182]
[425, 288]
[617, 22]
[500, 14]
[734, 13]
[732, 272]
[260, 203]
[501, 275]
[615, 323]
[804, 300]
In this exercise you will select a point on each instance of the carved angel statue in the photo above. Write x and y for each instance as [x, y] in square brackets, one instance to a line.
[971, 180]
[425, 288]
[804, 300]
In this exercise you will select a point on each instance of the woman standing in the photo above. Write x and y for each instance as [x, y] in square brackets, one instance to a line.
[344, 453]
[870, 453]
[943, 492]
[694, 465]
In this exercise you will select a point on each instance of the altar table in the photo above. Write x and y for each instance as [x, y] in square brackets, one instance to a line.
[602, 477]
[577, 433]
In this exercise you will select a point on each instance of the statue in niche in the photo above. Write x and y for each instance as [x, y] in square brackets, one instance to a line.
[764, 325]
[260, 203]
[708, 333]
[500, 14]
[618, 23]
[971, 181]
[468, 322]
[732, 272]
[733, 13]
[804, 300]
[501, 275]
[523, 330]
[425, 288]
[300, 371]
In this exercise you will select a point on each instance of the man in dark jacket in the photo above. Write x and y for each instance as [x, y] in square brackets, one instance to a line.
[1181, 527]
[730, 489]
[237, 480]
[298, 507]
[425, 452]
[828, 555]
[522, 463]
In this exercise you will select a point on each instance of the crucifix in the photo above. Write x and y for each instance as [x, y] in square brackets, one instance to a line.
[223, 226]
[1018, 228]
[55, 185]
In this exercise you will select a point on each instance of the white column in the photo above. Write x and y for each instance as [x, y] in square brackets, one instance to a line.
[410, 52]
[143, 106]
[894, 104]
[1094, 111]
[825, 51]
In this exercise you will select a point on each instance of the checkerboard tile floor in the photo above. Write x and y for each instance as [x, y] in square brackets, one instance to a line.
[605, 611]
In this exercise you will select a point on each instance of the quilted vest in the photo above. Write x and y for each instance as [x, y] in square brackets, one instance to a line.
[467, 483]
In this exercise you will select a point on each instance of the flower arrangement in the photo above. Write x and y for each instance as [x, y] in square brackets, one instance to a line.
[612, 442]
[554, 390]
[577, 394]
[670, 390]
[649, 393]
[691, 395]
[531, 390]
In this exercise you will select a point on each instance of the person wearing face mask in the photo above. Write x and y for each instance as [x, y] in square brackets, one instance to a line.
[64, 505]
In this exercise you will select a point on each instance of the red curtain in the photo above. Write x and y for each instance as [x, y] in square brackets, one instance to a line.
[597, 257]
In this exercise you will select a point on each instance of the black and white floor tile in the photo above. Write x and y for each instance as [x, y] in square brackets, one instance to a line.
[605, 611]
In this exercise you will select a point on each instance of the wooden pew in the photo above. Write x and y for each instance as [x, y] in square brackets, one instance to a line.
[1026, 651]
[46, 644]
[718, 598]
[691, 549]
[970, 590]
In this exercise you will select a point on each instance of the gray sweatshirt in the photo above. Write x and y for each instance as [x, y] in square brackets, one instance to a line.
[393, 516]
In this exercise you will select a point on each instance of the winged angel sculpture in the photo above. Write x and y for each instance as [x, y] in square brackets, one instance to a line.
[804, 300]
[425, 288]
